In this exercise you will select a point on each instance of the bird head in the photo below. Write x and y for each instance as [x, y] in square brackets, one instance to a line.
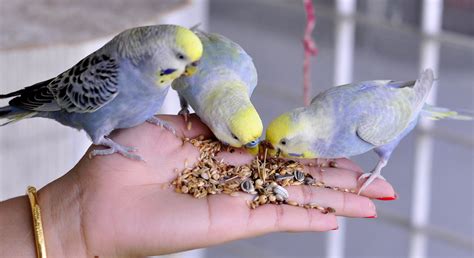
[185, 50]
[288, 135]
[245, 128]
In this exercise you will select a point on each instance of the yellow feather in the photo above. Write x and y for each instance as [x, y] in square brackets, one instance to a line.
[189, 43]
[246, 124]
[278, 128]
[285, 127]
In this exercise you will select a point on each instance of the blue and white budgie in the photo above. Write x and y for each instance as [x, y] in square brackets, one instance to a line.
[120, 85]
[352, 119]
[220, 91]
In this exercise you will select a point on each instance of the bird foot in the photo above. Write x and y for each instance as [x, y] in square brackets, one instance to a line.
[368, 175]
[162, 123]
[185, 113]
[114, 147]
[370, 178]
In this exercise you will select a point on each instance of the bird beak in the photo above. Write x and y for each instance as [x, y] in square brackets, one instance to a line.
[253, 147]
[253, 151]
[252, 144]
[190, 69]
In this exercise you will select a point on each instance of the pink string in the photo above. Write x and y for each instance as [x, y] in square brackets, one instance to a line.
[310, 49]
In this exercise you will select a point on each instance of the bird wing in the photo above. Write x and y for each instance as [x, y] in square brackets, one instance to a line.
[85, 87]
[35, 98]
[385, 127]
[387, 112]
[88, 85]
[392, 106]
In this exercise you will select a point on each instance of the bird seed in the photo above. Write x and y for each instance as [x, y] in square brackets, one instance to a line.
[265, 177]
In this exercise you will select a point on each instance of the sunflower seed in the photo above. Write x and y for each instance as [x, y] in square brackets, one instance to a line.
[247, 186]
[299, 176]
[280, 191]
[283, 177]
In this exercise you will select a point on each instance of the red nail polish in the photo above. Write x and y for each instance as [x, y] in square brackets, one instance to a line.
[371, 217]
[390, 198]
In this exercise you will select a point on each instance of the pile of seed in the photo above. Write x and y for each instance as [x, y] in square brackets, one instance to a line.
[265, 177]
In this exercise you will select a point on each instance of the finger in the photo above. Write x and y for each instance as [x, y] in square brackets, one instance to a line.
[345, 204]
[338, 163]
[276, 218]
[344, 178]
[194, 127]
[264, 219]
[347, 164]
[237, 157]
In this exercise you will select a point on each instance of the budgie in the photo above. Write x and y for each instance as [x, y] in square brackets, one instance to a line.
[120, 85]
[352, 119]
[220, 91]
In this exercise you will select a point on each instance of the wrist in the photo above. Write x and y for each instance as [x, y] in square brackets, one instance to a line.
[60, 207]
[16, 232]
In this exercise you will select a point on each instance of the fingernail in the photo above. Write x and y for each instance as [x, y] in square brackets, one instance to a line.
[336, 228]
[389, 198]
[371, 217]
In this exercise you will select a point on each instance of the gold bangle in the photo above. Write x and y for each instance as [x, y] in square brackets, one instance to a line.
[37, 224]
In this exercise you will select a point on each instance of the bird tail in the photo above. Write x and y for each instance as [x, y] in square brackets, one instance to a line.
[437, 113]
[196, 26]
[10, 114]
[12, 94]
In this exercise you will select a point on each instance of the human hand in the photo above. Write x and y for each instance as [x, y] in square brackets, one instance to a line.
[111, 205]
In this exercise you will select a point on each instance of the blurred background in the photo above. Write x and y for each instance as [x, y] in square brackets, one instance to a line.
[431, 170]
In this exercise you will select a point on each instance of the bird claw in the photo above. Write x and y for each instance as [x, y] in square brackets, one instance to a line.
[370, 178]
[125, 151]
[185, 113]
[367, 175]
[162, 123]
[130, 149]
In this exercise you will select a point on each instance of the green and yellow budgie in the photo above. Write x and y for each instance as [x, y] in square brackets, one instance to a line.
[120, 85]
[352, 119]
[220, 91]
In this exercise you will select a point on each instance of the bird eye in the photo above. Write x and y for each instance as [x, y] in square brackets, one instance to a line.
[283, 142]
[235, 137]
[180, 56]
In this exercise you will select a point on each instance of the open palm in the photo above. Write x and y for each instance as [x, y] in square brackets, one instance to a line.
[128, 207]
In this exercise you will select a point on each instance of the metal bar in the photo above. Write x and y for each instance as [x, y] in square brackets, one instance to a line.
[344, 52]
[432, 11]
